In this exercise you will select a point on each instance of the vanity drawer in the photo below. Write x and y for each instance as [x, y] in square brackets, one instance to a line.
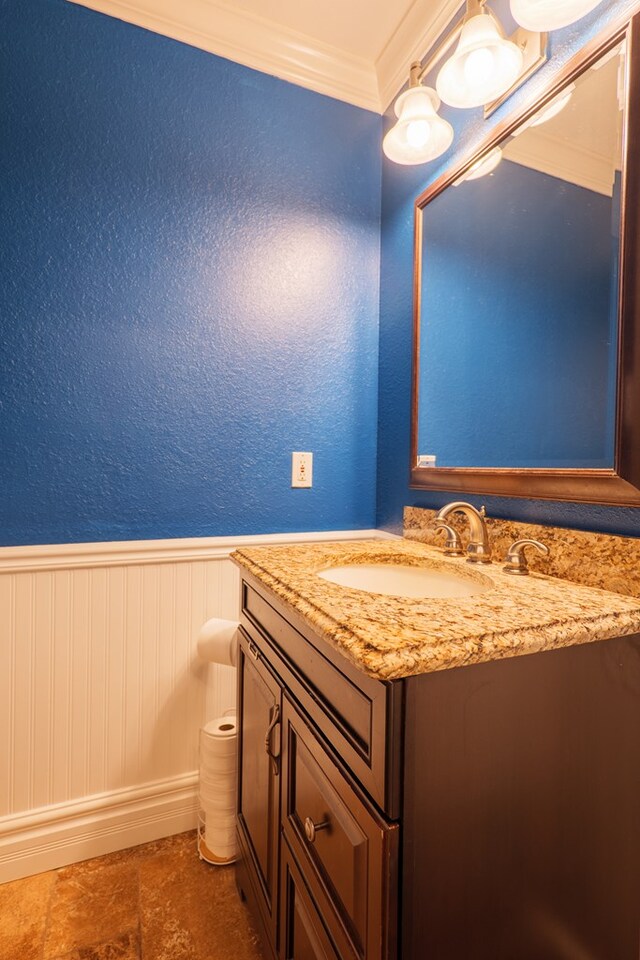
[347, 851]
[359, 716]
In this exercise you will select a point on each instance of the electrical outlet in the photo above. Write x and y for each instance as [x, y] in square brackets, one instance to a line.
[301, 469]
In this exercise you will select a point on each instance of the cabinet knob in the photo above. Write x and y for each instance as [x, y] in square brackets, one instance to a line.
[311, 828]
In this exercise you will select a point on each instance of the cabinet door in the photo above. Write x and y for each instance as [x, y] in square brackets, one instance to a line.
[347, 851]
[259, 706]
[302, 933]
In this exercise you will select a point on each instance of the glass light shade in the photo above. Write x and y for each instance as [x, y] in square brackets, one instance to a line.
[483, 66]
[554, 108]
[485, 165]
[420, 134]
[543, 15]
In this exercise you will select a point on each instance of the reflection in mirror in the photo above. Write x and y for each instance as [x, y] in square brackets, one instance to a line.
[518, 321]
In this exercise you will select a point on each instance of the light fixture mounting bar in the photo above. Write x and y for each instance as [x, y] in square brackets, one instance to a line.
[535, 49]
[441, 50]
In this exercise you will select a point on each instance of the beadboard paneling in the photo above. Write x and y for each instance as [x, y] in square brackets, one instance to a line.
[102, 693]
[100, 686]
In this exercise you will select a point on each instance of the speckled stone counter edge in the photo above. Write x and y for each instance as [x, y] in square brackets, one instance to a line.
[391, 637]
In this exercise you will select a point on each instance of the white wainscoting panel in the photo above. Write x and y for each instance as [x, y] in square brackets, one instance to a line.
[102, 693]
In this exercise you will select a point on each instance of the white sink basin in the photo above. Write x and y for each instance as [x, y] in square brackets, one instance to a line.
[394, 580]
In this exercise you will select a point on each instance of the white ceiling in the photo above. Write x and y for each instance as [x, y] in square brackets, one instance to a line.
[355, 50]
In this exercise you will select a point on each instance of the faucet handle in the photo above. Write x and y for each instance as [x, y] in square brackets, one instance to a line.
[516, 561]
[453, 544]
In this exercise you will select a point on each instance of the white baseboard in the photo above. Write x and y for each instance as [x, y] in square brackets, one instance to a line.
[66, 833]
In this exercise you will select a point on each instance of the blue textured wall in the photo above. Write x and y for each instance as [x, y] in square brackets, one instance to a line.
[400, 186]
[190, 256]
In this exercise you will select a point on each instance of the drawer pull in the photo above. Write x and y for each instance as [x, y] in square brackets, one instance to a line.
[311, 828]
[275, 720]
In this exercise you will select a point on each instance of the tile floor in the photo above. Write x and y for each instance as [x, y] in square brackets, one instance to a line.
[158, 901]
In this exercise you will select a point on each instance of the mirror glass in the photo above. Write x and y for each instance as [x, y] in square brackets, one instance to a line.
[518, 310]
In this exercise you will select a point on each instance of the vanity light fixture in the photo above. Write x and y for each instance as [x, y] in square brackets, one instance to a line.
[484, 70]
[482, 167]
[554, 108]
[545, 15]
[485, 64]
[419, 134]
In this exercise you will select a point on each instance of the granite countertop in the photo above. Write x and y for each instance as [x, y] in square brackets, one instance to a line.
[393, 637]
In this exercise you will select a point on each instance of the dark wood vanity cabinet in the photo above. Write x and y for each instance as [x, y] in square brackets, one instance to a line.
[490, 812]
[318, 794]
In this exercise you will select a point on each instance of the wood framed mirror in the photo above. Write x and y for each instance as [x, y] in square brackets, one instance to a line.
[526, 353]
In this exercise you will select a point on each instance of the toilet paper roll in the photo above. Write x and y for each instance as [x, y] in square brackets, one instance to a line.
[222, 728]
[218, 641]
[217, 788]
[218, 746]
[216, 775]
[213, 767]
[223, 849]
[212, 752]
[220, 778]
[210, 761]
[218, 832]
[222, 820]
[226, 819]
[212, 803]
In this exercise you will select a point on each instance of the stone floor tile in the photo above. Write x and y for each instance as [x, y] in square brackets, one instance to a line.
[23, 913]
[125, 947]
[130, 854]
[190, 910]
[94, 905]
[157, 901]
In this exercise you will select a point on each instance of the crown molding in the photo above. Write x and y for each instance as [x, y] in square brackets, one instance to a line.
[414, 36]
[559, 158]
[261, 44]
[254, 42]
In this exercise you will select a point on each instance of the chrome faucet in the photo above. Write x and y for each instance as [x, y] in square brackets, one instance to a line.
[478, 548]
